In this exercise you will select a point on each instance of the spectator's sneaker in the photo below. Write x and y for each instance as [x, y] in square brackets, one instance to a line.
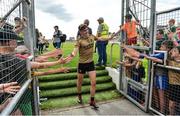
[93, 104]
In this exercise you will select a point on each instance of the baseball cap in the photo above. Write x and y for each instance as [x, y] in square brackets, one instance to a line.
[128, 16]
[82, 27]
[100, 19]
[17, 19]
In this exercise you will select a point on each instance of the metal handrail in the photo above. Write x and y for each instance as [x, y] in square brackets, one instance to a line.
[112, 44]
[167, 11]
[139, 86]
[9, 108]
[139, 47]
[167, 67]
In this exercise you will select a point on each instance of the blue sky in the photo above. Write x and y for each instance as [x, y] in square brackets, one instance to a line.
[68, 14]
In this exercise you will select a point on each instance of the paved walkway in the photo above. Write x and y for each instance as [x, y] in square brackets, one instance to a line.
[115, 107]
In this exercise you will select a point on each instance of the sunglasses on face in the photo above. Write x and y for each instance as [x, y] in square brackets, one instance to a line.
[85, 30]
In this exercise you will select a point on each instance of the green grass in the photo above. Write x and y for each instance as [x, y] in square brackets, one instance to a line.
[67, 76]
[60, 89]
[73, 90]
[71, 83]
[67, 48]
[72, 100]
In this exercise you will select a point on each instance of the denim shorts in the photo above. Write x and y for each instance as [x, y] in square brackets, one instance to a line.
[161, 82]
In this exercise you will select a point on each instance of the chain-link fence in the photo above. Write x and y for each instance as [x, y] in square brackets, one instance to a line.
[142, 80]
[134, 76]
[18, 90]
[165, 84]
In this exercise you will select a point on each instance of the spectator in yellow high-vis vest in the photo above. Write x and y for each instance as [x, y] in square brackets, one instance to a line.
[103, 31]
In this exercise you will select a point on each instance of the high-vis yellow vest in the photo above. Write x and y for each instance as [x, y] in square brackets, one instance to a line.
[105, 30]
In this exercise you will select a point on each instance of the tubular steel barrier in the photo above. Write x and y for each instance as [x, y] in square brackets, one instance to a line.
[137, 87]
[161, 99]
[164, 93]
[111, 52]
[17, 24]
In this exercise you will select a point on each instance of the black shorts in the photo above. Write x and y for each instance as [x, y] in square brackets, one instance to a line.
[174, 93]
[85, 67]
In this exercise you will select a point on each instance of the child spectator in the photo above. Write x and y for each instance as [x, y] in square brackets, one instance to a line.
[20, 24]
[178, 32]
[127, 64]
[172, 26]
[159, 38]
[173, 36]
[134, 70]
[174, 81]
[130, 28]
[138, 72]
[161, 76]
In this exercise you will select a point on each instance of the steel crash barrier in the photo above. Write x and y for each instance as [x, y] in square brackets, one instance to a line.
[134, 85]
[18, 90]
[164, 100]
[139, 85]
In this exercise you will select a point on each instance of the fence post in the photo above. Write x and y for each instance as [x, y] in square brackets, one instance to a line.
[32, 24]
[152, 47]
[35, 96]
[29, 38]
[27, 35]
[121, 40]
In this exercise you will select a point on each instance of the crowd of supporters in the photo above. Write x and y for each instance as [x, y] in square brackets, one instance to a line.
[166, 82]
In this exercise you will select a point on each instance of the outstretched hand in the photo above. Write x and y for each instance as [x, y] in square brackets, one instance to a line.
[126, 54]
[11, 87]
[105, 39]
[68, 59]
[62, 60]
[130, 51]
[118, 62]
[65, 70]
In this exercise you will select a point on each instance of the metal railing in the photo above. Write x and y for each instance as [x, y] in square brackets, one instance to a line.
[160, 104]
[111, 52]
[12, 68]
[143, 11]
[10, 107]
